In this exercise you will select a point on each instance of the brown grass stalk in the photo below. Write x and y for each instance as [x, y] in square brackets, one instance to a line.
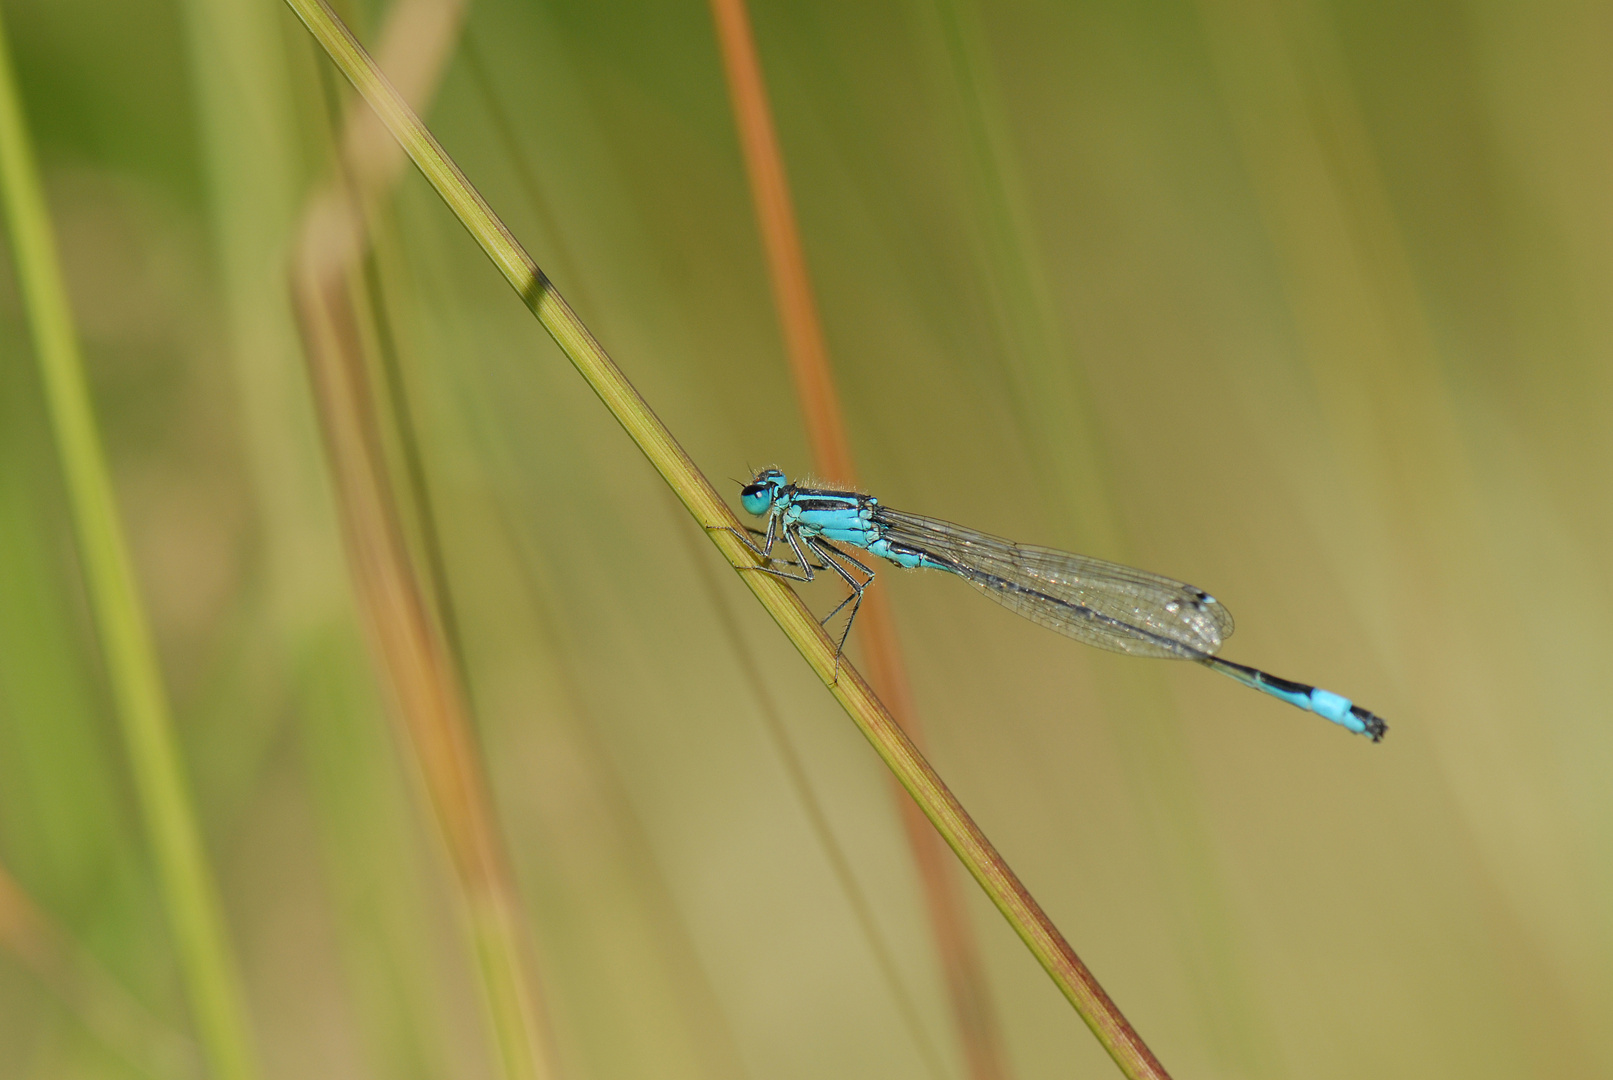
[400, 604]
[808, 355]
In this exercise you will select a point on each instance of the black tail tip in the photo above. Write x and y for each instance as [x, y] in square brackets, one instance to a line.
[1373, 726]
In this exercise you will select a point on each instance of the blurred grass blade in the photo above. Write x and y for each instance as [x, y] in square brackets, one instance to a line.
[88, 990]
[1049, 392]
[386, 523]
[819, 400]
[133, 673]
[1053, 399]
[248, 125]
[708, 508]
[417, 670]
[781, 240]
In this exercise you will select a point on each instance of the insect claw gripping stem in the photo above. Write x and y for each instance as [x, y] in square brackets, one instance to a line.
[815, 545]
[766, 569]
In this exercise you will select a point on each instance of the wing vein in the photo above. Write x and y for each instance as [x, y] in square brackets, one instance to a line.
[1100, 603]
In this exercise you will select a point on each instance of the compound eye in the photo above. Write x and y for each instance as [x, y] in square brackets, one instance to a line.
[756, 498]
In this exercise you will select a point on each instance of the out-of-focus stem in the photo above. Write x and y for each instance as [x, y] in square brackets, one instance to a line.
[400, 603]
[133, 672]
[88, 991]
[418, 672]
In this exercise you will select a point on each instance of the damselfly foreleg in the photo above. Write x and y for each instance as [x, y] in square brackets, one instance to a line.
[765, 551]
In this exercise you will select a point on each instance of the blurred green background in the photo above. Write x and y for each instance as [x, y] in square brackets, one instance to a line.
[1305, 303]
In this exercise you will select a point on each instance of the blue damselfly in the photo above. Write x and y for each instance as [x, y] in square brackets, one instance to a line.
[1101, 603]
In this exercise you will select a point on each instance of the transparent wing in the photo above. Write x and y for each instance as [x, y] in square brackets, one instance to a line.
[1101, 603]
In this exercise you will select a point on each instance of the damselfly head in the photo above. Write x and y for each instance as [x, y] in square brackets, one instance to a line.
[758, 495]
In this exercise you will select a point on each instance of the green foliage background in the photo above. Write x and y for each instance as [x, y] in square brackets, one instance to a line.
[1331, 337]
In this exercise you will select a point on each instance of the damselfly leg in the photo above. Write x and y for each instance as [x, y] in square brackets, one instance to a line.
[829, 557]
[765, 551]
[828, 552]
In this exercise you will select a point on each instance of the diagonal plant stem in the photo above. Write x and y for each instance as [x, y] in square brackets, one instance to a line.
[1026, 917]
[808, 355]
[134, 675]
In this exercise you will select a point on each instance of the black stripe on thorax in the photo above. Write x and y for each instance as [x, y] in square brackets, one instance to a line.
[827, 500]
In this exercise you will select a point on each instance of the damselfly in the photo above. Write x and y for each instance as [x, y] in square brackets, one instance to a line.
[1101, 603]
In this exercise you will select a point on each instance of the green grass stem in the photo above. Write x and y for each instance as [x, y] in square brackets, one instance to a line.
[713, 514]
[133, 673]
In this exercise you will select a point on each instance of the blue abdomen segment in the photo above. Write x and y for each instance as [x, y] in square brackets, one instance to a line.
[1335, 707]
[908, 558]
[1324, 703]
